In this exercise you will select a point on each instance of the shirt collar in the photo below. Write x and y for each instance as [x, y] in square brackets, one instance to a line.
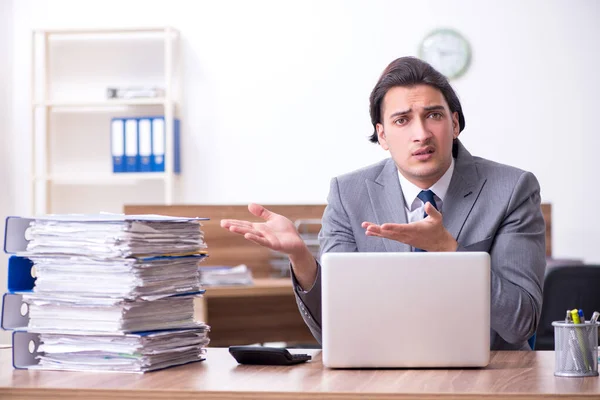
[440, 188]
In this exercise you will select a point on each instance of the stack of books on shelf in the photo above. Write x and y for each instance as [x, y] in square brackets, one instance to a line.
[113, 292]
[135, 92]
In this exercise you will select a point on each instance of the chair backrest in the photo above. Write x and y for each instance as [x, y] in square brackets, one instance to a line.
[565, 288]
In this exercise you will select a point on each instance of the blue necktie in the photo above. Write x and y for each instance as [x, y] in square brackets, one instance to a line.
[426, 196]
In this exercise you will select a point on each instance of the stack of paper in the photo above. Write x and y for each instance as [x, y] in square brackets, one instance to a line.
[225, 276]
[127, 353]
[105, 236]
[128, 278]
[116, 292]
[98, 314]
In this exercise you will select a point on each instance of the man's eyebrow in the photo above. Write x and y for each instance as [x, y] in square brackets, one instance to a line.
[437, 107]
[398, 113]
[434, 108]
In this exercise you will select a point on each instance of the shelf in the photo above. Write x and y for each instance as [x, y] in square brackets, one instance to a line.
[109, 32]
[67, 151]
[260, 287]
[124, 178]
[103, 104]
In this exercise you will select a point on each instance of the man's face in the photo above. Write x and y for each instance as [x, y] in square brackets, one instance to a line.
[418, 128]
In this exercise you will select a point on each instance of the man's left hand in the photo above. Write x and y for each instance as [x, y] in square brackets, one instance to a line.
[428, 234]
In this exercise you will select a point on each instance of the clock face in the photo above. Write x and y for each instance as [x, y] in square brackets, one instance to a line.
[447, 51]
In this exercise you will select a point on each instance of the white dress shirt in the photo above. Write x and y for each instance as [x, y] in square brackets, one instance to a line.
[414, 207]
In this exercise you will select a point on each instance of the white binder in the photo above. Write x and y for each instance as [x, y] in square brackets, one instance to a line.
[117, 144]
[131, 145]
[145, 144]
[158, 144]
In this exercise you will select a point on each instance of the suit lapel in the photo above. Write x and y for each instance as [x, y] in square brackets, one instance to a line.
[463, 191]
[387, 201]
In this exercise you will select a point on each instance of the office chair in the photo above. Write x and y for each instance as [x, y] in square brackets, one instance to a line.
[531, 342]
[565, 288]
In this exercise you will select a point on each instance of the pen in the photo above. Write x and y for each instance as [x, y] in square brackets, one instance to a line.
[568, 319]
[581, 317]
[580, 338]
[574, 353]
[572, 341]
[595, 316]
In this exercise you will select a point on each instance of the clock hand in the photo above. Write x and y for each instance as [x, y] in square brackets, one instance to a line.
[446, 53]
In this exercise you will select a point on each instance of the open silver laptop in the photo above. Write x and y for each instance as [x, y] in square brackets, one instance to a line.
[405, 310]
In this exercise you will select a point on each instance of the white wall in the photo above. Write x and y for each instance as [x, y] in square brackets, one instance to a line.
[276, 96]
[6, 162]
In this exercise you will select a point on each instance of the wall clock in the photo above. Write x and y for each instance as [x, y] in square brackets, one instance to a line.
[447, 51]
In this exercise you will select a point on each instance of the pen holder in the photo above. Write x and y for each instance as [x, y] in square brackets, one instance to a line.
[576, 349]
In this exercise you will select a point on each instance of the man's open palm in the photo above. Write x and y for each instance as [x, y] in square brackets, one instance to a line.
[277, 232]
[428, 234]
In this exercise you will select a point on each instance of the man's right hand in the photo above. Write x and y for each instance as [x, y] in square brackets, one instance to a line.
[277, 233]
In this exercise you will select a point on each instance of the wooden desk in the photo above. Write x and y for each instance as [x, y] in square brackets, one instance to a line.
[511, 374]
[263, 312]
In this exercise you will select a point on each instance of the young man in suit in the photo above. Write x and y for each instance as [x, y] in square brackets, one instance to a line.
[431, 195]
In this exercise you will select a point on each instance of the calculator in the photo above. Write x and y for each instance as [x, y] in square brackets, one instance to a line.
[259, 355]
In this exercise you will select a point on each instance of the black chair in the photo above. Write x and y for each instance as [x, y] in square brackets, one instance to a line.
[565, 288]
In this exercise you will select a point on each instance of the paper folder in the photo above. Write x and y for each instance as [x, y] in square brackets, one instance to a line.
[117, 138]
[131, 145]
[158, 145]
[145, 144]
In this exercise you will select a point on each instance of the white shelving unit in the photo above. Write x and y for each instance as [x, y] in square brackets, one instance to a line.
[159, 101]
[70, 139]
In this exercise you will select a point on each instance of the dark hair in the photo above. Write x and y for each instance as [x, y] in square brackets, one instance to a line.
[410, 71]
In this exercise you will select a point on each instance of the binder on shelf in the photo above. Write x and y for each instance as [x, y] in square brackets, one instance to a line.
[158, 145]
[117, 139]
[145, 144]
[132, 154]
[138, 144]
[176, 147]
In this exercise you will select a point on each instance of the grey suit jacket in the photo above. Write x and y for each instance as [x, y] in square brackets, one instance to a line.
[489, 207]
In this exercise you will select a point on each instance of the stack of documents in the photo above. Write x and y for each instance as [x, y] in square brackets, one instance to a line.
[116, 292]
[141, 352]
[108, 236]
[127, 278]
[105, 314]
[225, 276]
